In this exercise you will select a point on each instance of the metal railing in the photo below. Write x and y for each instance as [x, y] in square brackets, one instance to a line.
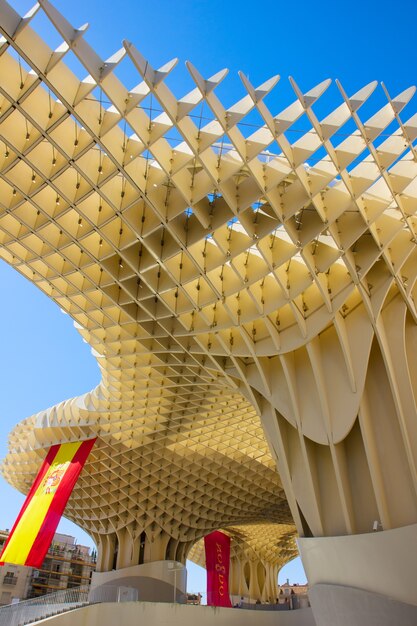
[34, 609]
[28, 611]
[71, 554]
[280, 603]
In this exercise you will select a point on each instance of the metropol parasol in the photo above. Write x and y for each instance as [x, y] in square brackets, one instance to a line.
[249, 296]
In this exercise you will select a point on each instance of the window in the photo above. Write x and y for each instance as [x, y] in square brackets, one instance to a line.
[5, 597]
[9, 578]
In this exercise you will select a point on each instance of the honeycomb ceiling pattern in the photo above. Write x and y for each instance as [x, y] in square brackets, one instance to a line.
[188, 246]
[184, 474]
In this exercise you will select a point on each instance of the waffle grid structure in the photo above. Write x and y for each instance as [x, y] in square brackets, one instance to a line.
[232, 284]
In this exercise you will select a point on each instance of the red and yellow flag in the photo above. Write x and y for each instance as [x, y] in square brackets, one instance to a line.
[36, 523]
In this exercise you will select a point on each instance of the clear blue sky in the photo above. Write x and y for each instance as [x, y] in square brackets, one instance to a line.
[44, 359]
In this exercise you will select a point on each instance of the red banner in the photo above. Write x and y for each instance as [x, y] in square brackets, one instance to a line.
[36, 523]
[217, 547]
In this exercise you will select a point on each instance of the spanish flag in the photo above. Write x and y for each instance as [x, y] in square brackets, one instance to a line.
[36, 524]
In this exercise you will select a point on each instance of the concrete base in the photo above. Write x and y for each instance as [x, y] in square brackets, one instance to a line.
[363, 580]
[152, 614]
[334, 605]
[158, 581]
